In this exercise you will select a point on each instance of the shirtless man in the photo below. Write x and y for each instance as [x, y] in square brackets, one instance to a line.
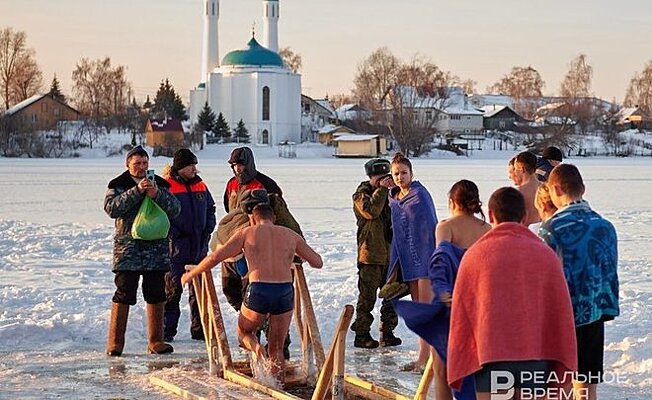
[527, 183]
[269, 250]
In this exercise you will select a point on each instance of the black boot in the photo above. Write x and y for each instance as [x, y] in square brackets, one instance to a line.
[365, 341]
[388, 339]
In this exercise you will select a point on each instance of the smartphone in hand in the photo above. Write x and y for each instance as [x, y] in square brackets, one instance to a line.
[150, 175]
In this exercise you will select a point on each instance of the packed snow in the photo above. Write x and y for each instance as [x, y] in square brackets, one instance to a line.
[56, 287]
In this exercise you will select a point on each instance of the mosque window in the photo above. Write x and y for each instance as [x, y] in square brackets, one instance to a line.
[266, 103]
[213, 9]
[265, 137]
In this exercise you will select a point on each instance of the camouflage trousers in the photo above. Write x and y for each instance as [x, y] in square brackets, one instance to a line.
[370, 279]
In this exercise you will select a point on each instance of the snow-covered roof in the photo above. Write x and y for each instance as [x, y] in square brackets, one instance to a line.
[13, 110]
[355, 138]
[326, 104]
[167, 124]
[626, 112]
[490, 111]
[332, 128]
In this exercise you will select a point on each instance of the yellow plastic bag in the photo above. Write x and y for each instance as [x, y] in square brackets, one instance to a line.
[151, 222]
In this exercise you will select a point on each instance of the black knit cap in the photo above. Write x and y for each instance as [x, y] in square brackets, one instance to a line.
[255, 197]
[553, 153]
[138, 150]
[183, 158]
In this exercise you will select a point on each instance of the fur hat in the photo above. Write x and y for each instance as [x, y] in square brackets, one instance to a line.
[377, 166]
[183, 158]
[138, 150]
[256, 196]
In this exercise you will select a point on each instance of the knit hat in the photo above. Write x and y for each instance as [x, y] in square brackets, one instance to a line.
[376, 166]
[138, 150]
[553, 153]
[183, 158]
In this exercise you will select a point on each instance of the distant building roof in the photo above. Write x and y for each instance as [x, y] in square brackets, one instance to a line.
[23, 104]
[490, 111]
[355, 138]
[167, 124]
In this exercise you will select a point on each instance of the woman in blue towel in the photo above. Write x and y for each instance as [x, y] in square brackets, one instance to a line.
[413, 241]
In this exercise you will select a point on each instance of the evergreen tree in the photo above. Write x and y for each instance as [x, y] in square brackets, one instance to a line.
[168, 103]
[55, 91]
[147, 105]
[241, 133]
[221, 128]
[206, 118]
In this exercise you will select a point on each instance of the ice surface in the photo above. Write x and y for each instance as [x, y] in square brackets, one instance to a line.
[56, 281]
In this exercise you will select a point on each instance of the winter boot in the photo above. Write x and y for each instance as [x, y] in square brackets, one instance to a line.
[117, 328]
[388, 339]
[155, 344]
[365, 341]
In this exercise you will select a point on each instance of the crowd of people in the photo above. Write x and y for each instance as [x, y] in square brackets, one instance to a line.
[521, 293]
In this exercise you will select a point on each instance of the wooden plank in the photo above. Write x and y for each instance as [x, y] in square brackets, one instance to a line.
[170, 387]
[309, 317]
[372, 390]
[426, 380]
[325, 375]
[251, 383]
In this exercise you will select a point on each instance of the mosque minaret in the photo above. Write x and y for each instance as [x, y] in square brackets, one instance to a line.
[270, 24]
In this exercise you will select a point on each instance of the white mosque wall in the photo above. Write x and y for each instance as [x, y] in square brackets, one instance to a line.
[197, 100]
[238, 94]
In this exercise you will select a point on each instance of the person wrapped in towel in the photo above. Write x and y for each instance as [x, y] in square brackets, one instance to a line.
[511, 311]
[413, 240]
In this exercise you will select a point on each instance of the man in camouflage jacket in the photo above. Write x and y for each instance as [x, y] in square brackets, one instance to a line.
[373, 215]
[133, 258]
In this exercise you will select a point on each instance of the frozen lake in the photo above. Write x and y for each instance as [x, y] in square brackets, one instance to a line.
[55, 254]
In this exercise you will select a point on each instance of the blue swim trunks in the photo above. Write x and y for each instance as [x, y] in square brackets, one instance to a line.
[269, 298]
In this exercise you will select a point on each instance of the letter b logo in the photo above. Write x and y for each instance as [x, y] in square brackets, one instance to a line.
[502, 385]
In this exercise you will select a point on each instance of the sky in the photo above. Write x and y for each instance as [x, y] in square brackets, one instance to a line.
[478, 40]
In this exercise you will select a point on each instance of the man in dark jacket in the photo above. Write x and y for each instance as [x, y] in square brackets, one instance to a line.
[133, 258]
[190, 233]
[373, 215]
[246, 177]
[550, 158]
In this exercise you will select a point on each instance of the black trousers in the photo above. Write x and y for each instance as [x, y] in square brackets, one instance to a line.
[126, 283]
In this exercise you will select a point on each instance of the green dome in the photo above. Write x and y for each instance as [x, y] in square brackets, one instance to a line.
[254, 54]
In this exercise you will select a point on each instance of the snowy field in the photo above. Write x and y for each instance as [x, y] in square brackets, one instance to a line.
[56, 285]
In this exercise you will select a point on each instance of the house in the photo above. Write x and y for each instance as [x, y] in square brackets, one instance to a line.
[315, 114]
[499, 118]
[39, 113]
[164, 135]
[632, 118]
[352, 112]
[329, 132]
[360, 145]
[457, 116]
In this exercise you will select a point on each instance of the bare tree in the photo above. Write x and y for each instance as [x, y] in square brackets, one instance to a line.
[521, 82]
[469, 86]
[291, 59]
[576, 88]
[418, 97]
[375, 79]
[101, 91]
[577, 82]
[20, 76]
[639, 92]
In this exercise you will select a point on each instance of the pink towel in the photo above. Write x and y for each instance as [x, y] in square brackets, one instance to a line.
[510, 303]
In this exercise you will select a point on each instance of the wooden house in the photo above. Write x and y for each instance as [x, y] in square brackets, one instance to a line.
[39, 113]
[360, 145]
[164, 135]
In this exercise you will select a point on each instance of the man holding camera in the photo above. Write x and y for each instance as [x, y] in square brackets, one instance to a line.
[374, 236]
[133, 258]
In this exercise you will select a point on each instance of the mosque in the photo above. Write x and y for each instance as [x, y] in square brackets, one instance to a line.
[251, 84]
